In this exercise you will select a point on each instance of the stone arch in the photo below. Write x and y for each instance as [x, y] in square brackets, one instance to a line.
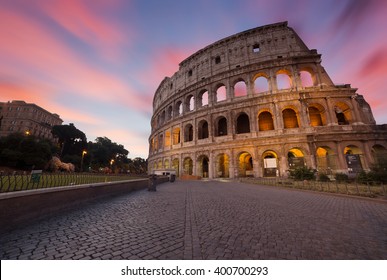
[203, 132]
[221, 93]
[284, 79]
[317, 115]
[265, 121]
[176, 135]
[354, 158]
[261, 83]
[178, 108]
[189, 103]
[242, 123]
[295, 158]
[203, 164]
[245, 164]
[203, 98]
[343, 113]
[188, 166]
[166, 164]
[290, 118]
[188, 133]
[222, 166]
[167, 138]
[379, 155]
[169, 113]
[159, 164]
[176, 166]
[270, 164]
[240, 88]
[326, 160]
[306, 78]
[221, 126]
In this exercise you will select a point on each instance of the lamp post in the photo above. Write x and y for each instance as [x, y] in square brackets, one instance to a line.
[83, 155]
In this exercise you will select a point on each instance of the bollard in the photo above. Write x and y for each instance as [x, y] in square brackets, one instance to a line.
[152, 183]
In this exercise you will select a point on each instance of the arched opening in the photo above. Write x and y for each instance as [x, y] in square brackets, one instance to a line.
[221, 94]
[166, 164]
[315, 116]
[188, 166]
[290, 118]
[161, 141]
[306, 79]
[295, 158]
[283, 80]
[245, 166]
[162, 118]
[261, 84]
[379, 155]
[265, 121]
[240, 89]
[270, 164]
[222, 166]
[221, 127]
[175, 165]
[176, 135]
[203, 98]
[326, 160]
[190, 103]
[203, 130]
[203, 166]
[343, 113]
[354, 159]
[243, 124]
[167, 138]
[160, 164]
[169, 113]
[188, 133]
[179, 108]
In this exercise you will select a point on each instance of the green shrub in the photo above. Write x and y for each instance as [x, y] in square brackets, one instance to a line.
[341, 177]
[323, 177]
[302, 173]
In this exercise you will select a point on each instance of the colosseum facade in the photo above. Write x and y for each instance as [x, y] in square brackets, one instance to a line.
[259, 103]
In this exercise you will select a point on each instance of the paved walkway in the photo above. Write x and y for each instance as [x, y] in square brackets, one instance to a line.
[209, 220]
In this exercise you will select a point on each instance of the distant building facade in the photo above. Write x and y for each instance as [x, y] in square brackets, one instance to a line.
[26, 118]
[259, 103]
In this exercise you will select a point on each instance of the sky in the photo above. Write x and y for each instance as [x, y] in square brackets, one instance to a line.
[98, 63]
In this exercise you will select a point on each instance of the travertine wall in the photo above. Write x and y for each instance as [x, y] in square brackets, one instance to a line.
[259, 103]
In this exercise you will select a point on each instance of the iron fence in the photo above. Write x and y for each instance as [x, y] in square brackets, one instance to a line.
[368, 189]
[23, 181]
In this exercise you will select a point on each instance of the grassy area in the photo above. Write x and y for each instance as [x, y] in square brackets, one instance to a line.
[9, 183]
[352, 188]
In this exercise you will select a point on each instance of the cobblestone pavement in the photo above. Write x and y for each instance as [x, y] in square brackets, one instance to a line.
[209, 220]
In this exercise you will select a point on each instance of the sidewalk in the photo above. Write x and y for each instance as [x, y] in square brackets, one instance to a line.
[209, 220]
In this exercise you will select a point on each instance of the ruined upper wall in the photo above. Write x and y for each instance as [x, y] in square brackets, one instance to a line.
[253, 46]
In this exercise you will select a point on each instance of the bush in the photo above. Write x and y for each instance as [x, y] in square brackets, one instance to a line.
[341, 177]
[302, 173]
[323, 177]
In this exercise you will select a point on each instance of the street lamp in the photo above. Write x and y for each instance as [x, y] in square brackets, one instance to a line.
[83, 155]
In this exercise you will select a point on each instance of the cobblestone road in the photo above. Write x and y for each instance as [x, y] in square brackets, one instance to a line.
[209, 220]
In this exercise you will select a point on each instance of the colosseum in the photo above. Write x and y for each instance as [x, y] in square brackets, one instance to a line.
[259, 103]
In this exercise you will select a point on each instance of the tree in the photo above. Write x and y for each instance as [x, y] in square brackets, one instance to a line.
[105, 153]
[71, 140]
[24, 152]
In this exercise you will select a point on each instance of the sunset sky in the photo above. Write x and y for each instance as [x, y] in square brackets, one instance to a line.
[97, 63]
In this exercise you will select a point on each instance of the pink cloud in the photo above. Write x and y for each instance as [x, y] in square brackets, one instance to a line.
[82, 20]
[37, 51]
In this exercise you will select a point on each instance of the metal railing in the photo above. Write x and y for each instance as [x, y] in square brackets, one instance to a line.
[23, 181]
[369, 189]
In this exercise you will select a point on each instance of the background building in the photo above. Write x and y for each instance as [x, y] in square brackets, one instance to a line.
[26, 118]
[259, 103]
